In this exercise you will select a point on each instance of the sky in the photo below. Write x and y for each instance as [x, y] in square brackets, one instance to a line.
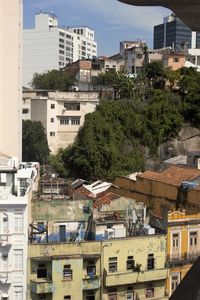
[112, 20]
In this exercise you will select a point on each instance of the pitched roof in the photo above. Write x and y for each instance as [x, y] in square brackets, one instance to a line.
[104, 198]
[173, 175]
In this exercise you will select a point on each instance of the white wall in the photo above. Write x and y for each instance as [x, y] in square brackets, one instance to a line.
[40, 53]
[10, 77]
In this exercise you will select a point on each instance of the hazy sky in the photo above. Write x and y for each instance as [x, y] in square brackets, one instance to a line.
[112, 21]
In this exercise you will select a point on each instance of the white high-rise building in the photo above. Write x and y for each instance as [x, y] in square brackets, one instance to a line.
[48, 46]
[10, 77]
[15, 183]
[16, 186]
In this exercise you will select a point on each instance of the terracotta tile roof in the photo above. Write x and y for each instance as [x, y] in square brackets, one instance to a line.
[85, 192]
[104, 198]
[173, 175]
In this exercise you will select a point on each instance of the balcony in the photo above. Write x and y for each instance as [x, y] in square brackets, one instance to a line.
[178, 259]
[91, 283]
[40, 286]
[5, 277]
[5, 240]
[134, 277]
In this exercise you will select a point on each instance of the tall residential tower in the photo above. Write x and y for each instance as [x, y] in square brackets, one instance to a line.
[10, 77]
[48, 46]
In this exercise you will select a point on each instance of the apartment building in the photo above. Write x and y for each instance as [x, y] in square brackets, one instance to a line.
[11, 79]
[49, 46]
[16, 186]
[111, 254]
[183, 245]
[61, 113]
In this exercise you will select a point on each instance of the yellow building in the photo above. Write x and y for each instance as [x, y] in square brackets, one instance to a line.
[183, 246]
[131, 268]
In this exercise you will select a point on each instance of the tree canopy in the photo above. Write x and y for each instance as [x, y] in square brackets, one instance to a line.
[149, 110]
[52, 80]
[34, 142]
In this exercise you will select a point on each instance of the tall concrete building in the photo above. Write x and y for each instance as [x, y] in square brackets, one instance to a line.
[175, 34]
[48, 46]
[10, 77]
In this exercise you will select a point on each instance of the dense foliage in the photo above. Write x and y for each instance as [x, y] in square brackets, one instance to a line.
[52, 80]
[149, 110]
[34, 142]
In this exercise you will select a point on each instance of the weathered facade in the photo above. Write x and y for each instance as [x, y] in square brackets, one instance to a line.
[183, 245]
[162, 189]
[113, 269]
[62, 113]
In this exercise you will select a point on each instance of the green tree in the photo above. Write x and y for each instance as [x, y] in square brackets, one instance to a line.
[34, 142]
[156, 75]
[52, 80]
[163, 118]
[107, 144]
[123, 86]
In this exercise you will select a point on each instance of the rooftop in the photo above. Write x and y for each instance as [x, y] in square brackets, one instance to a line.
[173, 175]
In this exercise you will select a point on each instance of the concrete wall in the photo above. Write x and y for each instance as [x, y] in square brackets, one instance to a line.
[154, 194]
[10, 77]
[77, 255]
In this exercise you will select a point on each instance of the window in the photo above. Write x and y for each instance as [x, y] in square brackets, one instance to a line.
[42, 94]
[112, 294]
[52, 120]
[18, 293]
[174, 282]
[112, 264]
[18, 259]
[193, 238]
[130, 293]
[149, 291]
[52, 133]
[72, 106]
[91, 269]
[18, 223]
[61, 40]
[64, 121]
[52, 106]
[42, 271]
[67, 297]
[61, 33]
[175, 59]
[75, 120]
[130, 263]
[67, 272]
[25, 110]
[90, 295]
[150, 262]
[175, 240]
[42, 297]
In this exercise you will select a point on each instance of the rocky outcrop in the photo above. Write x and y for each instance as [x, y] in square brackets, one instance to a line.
[188, 140]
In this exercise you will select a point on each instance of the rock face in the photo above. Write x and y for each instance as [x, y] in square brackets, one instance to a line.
[188, 140]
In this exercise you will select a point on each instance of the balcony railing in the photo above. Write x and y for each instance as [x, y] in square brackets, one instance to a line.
[5, 239]
[91, 283]
[123, 278]
[184, 258]
[5, 277]
[40, 286]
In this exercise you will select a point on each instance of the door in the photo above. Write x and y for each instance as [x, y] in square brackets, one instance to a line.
[62, 231]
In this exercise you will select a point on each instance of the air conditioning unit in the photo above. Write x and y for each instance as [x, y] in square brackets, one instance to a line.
[109, 233]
